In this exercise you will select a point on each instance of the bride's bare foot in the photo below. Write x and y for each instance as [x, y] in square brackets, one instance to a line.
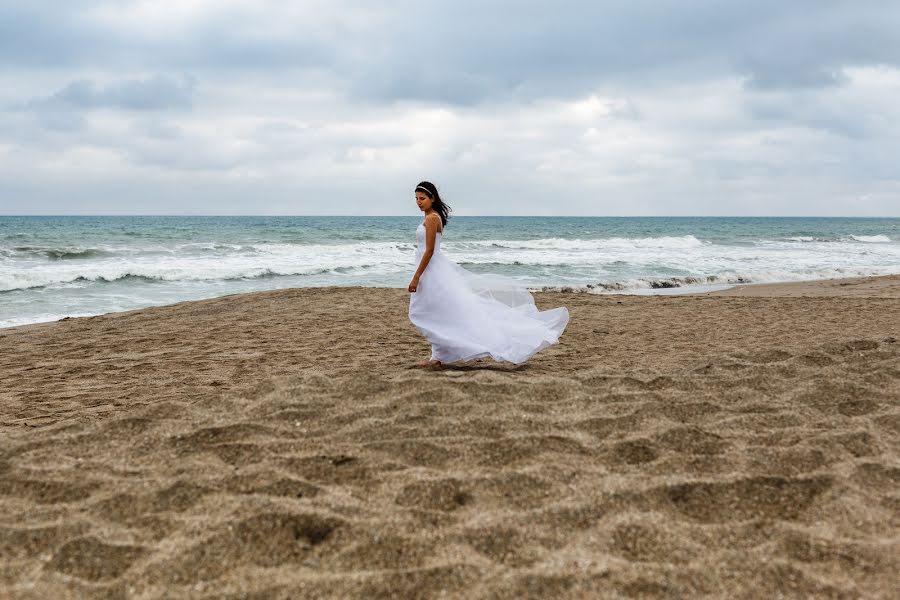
[434, 364]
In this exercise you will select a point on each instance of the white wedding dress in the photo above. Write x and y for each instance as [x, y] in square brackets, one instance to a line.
[469, 315]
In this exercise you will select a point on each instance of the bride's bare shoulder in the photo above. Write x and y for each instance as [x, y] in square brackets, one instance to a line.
[436, 218]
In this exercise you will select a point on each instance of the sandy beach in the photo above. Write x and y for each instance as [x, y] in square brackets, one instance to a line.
[738, 444]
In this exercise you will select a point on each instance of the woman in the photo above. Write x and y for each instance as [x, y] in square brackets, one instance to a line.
[468, 315]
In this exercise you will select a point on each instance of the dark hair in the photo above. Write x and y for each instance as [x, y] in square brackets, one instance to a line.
[436, 203]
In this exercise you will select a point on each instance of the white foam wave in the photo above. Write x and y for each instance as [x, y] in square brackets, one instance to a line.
[108, 275]
[871, 239]
[687, 241]
[269, 260]
[636, 263]
[39, 318]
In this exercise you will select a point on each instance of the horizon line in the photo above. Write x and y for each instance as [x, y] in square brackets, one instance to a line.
[477, 216]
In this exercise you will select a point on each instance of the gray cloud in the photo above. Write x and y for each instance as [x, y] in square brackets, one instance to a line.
[619, 105]
[463, 52]
[44, 34]
[153, 93]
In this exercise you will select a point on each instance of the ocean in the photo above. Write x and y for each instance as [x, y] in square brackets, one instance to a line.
[57, 266]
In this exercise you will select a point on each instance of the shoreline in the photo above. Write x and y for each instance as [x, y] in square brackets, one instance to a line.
[870, 286]
[876, 285]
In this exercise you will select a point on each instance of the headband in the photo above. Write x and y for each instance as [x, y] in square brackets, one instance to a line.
[425, 189]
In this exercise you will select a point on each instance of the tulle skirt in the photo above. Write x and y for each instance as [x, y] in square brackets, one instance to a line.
[467, 315]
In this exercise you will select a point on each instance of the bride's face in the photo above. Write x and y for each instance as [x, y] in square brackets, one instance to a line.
[423, 201]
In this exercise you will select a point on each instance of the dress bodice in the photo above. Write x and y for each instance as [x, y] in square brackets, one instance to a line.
[420, 239]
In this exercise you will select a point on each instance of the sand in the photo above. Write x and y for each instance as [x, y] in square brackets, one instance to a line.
[742, 444]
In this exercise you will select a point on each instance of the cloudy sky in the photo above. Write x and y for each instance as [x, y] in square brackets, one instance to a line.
[638, 107]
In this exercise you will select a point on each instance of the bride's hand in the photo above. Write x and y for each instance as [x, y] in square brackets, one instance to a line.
[413, 284]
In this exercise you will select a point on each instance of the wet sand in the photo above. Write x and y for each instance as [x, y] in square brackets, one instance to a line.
[738, 444]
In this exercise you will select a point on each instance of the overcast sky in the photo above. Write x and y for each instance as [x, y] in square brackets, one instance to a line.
[639, 107]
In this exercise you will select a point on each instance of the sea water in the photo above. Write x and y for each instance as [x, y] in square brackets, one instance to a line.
[53, 267]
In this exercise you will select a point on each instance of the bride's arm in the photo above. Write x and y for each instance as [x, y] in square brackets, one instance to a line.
[431, 227]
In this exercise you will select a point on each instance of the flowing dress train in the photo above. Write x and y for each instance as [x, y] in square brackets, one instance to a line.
[466, 315]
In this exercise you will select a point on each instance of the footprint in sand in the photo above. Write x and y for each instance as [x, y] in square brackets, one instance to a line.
[877, 476]
[743, 499]
[27, 542]
[857, 408]
[507, 545]
[767, 356]
[642, 542]
[93, 559]
[177, 497]
[338, 469]
[634, 452]
[209, 436]
[692, 440]
[271, 486]
[45, 491]
[441, 494]
[416, 453]
[264, 540]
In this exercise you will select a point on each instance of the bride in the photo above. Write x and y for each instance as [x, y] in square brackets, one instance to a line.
[467, 315]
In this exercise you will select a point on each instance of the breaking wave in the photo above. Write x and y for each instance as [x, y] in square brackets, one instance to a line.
[53, 253]
[687, 241]
[33, 281]
[871, 239]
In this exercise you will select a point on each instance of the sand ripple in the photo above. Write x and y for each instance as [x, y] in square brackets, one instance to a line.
[743, 473]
